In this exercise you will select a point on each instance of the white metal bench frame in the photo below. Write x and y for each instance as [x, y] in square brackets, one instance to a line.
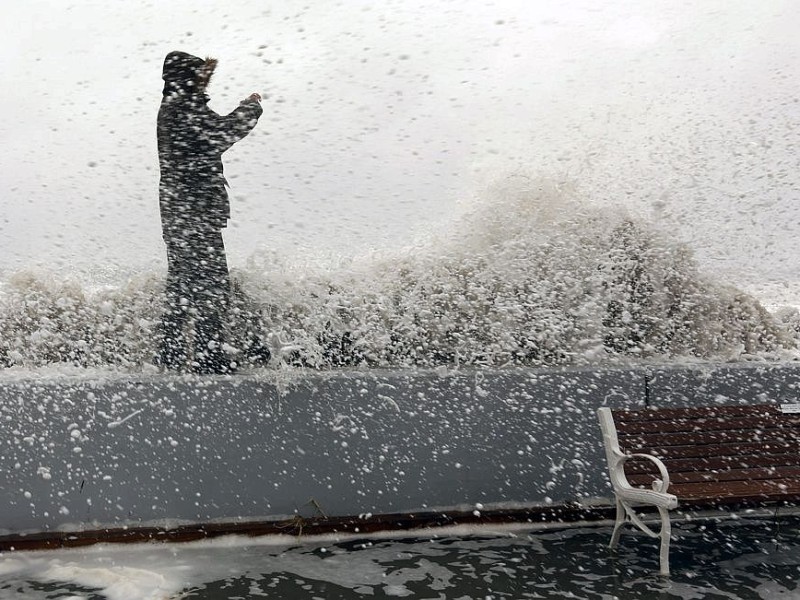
[628, 496]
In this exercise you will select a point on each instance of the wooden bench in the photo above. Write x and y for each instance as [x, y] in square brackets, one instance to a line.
[702, 457]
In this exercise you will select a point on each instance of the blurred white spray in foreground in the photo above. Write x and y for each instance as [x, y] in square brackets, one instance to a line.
[528, 275]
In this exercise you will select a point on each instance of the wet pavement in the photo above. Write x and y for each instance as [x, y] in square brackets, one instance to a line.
[731, 559]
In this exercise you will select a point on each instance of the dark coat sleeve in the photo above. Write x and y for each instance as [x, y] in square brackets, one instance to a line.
[192, 139]
[222, 132]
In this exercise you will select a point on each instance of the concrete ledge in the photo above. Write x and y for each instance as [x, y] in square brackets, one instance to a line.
[126, 452]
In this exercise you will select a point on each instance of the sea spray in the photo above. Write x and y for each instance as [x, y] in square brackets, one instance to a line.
[526, 275]
[46, 318]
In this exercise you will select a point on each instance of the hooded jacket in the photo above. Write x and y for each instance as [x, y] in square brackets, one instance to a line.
[191, 141]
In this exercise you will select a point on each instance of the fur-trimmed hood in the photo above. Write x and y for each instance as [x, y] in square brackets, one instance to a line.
[186, 74]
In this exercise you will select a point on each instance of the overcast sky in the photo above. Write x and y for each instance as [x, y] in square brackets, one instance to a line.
[384, 117]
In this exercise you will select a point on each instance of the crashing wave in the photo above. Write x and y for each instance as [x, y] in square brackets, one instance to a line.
[528, 277]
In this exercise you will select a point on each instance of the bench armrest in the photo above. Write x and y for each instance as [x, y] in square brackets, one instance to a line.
[659, 485]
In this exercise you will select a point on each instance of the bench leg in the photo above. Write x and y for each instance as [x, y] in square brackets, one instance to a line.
[666, 531]
[664, 534]
[620, 521]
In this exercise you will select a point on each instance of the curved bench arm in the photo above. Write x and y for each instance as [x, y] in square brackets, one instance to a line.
[659, 485]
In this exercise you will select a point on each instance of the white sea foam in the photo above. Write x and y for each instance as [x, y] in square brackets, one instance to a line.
[526, 274]
[449, 561]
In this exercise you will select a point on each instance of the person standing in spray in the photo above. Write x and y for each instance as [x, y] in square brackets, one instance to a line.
[194, 207]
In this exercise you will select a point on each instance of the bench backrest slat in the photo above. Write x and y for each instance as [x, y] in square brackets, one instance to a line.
[709, 438]
[694, 412]
[748, 474]
[743, 461]
[700, 453]
[625, 427]
[762, 490]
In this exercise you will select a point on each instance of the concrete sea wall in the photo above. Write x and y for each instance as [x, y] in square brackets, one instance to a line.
[77, 453]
